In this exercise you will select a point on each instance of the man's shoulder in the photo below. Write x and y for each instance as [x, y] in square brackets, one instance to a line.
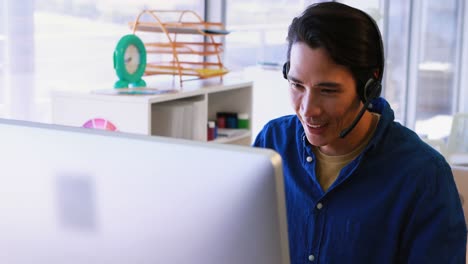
[411, 143]
[404, 146]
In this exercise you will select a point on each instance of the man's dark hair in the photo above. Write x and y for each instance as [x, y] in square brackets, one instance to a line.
[350, 36]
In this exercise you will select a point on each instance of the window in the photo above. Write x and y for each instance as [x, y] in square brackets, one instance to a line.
[63, 45]
[435, 67]
[259, 29]
[396, 52]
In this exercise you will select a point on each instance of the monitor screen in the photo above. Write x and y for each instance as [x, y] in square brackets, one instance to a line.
[76, 195]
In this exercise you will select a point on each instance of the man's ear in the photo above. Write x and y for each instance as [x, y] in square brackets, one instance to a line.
[376, 73]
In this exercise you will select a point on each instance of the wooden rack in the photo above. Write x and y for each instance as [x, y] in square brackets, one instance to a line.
[197, 58]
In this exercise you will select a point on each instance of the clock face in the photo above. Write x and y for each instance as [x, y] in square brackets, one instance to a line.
[132, 59]
[129, 61]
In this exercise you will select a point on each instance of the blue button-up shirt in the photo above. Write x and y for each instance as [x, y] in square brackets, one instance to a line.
[395, 203]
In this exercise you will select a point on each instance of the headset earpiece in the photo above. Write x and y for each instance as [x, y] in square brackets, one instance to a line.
[368, 89]
[285, 70]
[371, 90]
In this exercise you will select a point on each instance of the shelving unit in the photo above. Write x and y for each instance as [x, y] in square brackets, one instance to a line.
[189, 41]
[144, 114]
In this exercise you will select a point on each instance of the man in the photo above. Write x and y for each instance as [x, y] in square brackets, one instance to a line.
[360, 188]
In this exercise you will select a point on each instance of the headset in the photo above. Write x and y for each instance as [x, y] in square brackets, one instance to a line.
[373, 86]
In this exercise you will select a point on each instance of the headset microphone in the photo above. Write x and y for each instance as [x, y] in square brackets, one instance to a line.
[346, 131]
[374, 92]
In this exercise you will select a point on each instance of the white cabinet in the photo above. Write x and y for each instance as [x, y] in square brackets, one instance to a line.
[198, 101]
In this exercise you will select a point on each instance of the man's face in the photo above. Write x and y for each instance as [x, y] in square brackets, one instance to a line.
[324, 98]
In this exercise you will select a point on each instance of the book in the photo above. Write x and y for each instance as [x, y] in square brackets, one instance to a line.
[185, 118]
[231, 132]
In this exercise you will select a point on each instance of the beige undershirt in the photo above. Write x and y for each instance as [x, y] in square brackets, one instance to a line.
[328, 167]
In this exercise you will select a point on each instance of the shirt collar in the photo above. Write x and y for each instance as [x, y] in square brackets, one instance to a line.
[387, 116]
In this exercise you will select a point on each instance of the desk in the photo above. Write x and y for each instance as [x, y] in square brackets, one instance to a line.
[141, 114]
[459, 159]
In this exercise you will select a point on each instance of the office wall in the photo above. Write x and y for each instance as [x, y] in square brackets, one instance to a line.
[270, 96]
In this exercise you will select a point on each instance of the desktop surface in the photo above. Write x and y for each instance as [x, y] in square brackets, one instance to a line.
[72, 195]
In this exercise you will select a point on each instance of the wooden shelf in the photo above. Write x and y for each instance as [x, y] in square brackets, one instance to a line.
[183, 61]
[150, 114]
[184, 28]
[234, 139]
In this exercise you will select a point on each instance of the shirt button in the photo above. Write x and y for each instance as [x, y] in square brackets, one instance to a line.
[309, 159]
[311, 257]
[319, 206]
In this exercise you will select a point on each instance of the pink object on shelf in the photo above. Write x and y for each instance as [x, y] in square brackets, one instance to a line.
[100, 123]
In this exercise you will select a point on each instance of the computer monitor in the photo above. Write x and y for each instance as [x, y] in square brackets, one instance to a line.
[75, 195]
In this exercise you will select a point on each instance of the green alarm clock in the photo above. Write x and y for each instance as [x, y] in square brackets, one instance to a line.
[130, 62]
